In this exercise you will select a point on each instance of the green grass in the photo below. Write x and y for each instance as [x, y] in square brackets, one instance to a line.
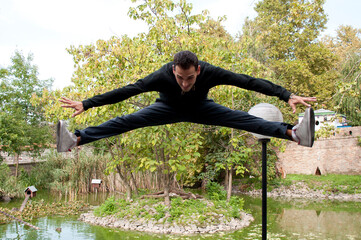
[199, 212]
[335, 183]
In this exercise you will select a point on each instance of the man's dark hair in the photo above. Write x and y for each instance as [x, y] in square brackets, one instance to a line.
[186, 59]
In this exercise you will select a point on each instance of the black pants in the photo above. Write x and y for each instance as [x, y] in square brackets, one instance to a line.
[203, 112]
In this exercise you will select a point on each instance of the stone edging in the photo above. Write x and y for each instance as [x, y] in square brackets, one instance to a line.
[167, 228]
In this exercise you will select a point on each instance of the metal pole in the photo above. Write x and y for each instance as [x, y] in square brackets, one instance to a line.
[264, 188]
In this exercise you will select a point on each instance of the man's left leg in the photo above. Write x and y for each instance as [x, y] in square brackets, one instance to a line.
[211, 113]
[159, 113]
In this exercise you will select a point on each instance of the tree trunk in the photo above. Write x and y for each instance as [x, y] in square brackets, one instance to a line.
[123, 179]
[132, 180]
[166, 196]
[226, 177]
[229, 190]
[166, 178]
[204, 183]
[163, 172]
[126, 184]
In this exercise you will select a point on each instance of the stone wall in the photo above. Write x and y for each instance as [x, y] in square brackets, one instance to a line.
[339, 154]
[24, 157]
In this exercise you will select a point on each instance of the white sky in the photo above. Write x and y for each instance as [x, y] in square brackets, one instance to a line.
[47, 27]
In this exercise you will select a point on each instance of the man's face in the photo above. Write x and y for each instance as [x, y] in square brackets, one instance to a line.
[186, 78]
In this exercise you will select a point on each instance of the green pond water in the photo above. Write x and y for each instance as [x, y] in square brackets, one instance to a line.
[287, 219]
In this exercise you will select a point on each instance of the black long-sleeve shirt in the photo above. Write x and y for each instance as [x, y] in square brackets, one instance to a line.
[164, 82]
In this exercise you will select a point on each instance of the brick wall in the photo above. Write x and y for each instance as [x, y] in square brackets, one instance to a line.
[339, 154]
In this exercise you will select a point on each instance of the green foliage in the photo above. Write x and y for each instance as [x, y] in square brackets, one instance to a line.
[325, 131]
[347, 46]
[330, 183]
[199, 212]
[280, 44]
[237, 204]
[161, 210]
[66, 175]
[108, 64]
[224, 152]
[284, 37]
[10, 186]
[22, 123]
[348, 97]
[39, 208]
[109, 207]
[215, 191]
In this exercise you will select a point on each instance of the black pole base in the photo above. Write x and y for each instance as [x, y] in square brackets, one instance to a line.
[264, 187]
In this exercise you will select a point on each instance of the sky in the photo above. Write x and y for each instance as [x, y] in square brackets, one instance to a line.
[46, 28]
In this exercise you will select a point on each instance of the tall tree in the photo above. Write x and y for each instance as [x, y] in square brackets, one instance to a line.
[105, 65]
[288, 31]
[347, 47]
[22, 123]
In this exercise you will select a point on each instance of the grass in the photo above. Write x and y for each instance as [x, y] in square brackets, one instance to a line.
[335, 183]
[330, 183]
[199, 212]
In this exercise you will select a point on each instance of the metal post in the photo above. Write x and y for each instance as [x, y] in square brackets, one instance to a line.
[264, 188]
[269, 113]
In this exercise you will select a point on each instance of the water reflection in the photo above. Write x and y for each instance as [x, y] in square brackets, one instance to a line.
[307, 219]
[324, 222]
[287, 220]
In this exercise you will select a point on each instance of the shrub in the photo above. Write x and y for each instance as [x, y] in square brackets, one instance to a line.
[215, 191]
[9, 185]
[161, 210]
[109, 207]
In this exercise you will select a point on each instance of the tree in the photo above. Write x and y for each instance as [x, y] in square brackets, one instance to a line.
[287, 31]
[22, 124]
[116, 62]
[171, 152]
[347, 47]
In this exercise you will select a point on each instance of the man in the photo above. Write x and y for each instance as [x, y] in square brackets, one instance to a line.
[183, 86]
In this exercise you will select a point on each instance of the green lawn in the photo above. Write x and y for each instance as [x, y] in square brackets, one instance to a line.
[335, 183]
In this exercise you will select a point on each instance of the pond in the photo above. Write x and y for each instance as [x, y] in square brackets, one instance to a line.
[287, 219]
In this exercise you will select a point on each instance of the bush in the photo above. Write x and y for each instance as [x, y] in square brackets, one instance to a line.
[237, 204]
[109, 207]
[215, 191]
[9, 185]
[161, 210]
[62, 174]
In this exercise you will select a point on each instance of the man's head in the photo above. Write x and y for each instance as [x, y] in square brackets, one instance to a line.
[186, 69]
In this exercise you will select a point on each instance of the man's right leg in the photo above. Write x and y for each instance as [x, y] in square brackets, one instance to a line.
[158, 113]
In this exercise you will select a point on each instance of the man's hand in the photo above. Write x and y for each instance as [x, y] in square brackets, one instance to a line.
[76, 105]
[294, 100]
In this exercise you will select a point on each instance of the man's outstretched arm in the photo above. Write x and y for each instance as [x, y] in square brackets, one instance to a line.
[259, 85]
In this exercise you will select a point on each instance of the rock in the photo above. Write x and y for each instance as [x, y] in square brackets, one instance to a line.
[6, 198]
[153, 226]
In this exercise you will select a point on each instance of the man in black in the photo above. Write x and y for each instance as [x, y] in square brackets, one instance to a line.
[183, 86]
